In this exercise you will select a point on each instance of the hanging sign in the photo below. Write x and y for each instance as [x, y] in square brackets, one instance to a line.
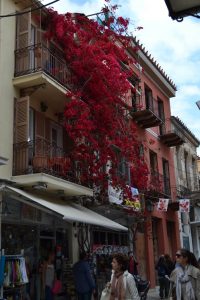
[184, 205]
[115, 195]
[162, 204]
[134, 202]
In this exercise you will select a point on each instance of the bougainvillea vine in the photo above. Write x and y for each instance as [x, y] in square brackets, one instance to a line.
[97, 112]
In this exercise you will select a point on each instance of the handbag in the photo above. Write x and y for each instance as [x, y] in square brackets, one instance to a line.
[57, 286]
[105, 294]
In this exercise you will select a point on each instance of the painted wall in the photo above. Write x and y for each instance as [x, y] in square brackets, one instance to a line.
[7, 91]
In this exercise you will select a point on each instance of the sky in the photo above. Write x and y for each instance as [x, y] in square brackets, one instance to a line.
[174, 45]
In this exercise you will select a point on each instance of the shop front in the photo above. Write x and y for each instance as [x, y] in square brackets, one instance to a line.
[33, 226]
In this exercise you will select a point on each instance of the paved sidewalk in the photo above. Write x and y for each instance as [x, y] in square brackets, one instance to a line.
[153, 294]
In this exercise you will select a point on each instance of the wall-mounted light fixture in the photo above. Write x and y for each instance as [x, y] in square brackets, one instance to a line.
[43, 106]
[178, 9]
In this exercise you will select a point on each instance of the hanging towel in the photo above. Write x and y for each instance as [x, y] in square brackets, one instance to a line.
[2, 267]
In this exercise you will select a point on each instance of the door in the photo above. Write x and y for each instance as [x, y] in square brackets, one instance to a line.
[149, 98]
[161, 114]
[56, 140]
[167, 189]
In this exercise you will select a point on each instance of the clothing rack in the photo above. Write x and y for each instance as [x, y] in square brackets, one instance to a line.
[10, 257]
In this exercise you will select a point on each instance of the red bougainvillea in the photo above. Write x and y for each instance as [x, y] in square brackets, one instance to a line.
[97, 115]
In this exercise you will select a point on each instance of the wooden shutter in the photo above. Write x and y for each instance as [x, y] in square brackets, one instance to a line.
[21, 135]
[22, 42]
[22, 120]
[23, 30]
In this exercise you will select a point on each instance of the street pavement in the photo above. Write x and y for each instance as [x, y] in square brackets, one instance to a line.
[153, 294]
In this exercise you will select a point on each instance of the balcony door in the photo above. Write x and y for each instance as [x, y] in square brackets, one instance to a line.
[149, 98]
[166, 177]
[161, 115]
[56, 140]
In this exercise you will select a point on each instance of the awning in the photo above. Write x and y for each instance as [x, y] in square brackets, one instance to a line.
[68, 211]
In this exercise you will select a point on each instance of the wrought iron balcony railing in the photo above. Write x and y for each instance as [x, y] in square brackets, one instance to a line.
[170, 136]
[37, 58]
[40, 156]
[145, 111]
[160, 184]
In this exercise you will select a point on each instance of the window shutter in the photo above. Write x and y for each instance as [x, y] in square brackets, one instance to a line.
[22, 120]
[23, 30]
[21, 135]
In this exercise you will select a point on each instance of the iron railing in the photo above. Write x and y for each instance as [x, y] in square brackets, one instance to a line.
[159, 183]
[37, 58]
[40, 156]
[140, 103]
[166, 127]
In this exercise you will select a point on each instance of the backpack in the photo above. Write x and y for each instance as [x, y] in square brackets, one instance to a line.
[161, 271]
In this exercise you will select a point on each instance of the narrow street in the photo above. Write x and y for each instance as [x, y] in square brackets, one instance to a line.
[153, 294]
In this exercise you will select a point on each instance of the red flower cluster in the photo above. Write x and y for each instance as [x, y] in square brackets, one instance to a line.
[97, 117]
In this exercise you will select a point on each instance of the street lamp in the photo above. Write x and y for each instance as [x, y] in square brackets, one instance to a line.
[198, 104]
[178, 9]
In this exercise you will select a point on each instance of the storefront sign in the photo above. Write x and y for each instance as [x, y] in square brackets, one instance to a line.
[109, 249]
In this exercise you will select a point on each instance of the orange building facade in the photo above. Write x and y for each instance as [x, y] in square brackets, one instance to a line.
[159, 233]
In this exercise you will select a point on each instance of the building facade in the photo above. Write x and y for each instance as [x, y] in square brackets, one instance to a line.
[38, 194]
[187, 182]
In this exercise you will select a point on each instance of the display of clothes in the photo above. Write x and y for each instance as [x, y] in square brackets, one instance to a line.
[15, 272]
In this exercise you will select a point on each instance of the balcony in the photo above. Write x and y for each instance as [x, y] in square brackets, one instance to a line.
[159, 185]
[145, 116]
[32, 62]
[40, 156]
[183, 191]
[170, 136]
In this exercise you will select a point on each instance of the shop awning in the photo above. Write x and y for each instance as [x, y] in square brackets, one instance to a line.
[68, 211]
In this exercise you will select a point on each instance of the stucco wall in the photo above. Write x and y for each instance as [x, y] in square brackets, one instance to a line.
[7, 92]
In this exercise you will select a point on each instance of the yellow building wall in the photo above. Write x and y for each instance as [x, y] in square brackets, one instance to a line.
[7, 91]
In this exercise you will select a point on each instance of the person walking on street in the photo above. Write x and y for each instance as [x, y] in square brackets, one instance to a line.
[122, 282]
[162, 270]
[84, 283]
[185, 279]
[49, 276]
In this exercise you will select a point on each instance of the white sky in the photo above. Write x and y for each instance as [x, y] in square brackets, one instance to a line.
[175, 46]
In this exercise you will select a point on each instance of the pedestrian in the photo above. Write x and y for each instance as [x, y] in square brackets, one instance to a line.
[185, 279]
[84, 282]
[132, 266]
[163, 272]
[122, 282]
[49, 276]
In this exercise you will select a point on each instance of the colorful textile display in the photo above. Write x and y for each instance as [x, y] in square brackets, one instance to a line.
[15, 270]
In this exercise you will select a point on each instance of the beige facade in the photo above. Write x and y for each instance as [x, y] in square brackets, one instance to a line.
[187, 180]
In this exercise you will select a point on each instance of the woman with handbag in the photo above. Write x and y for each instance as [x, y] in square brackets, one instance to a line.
[185, 279]
[122, 285]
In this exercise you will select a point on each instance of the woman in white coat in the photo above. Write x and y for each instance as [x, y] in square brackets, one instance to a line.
[123, 285]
